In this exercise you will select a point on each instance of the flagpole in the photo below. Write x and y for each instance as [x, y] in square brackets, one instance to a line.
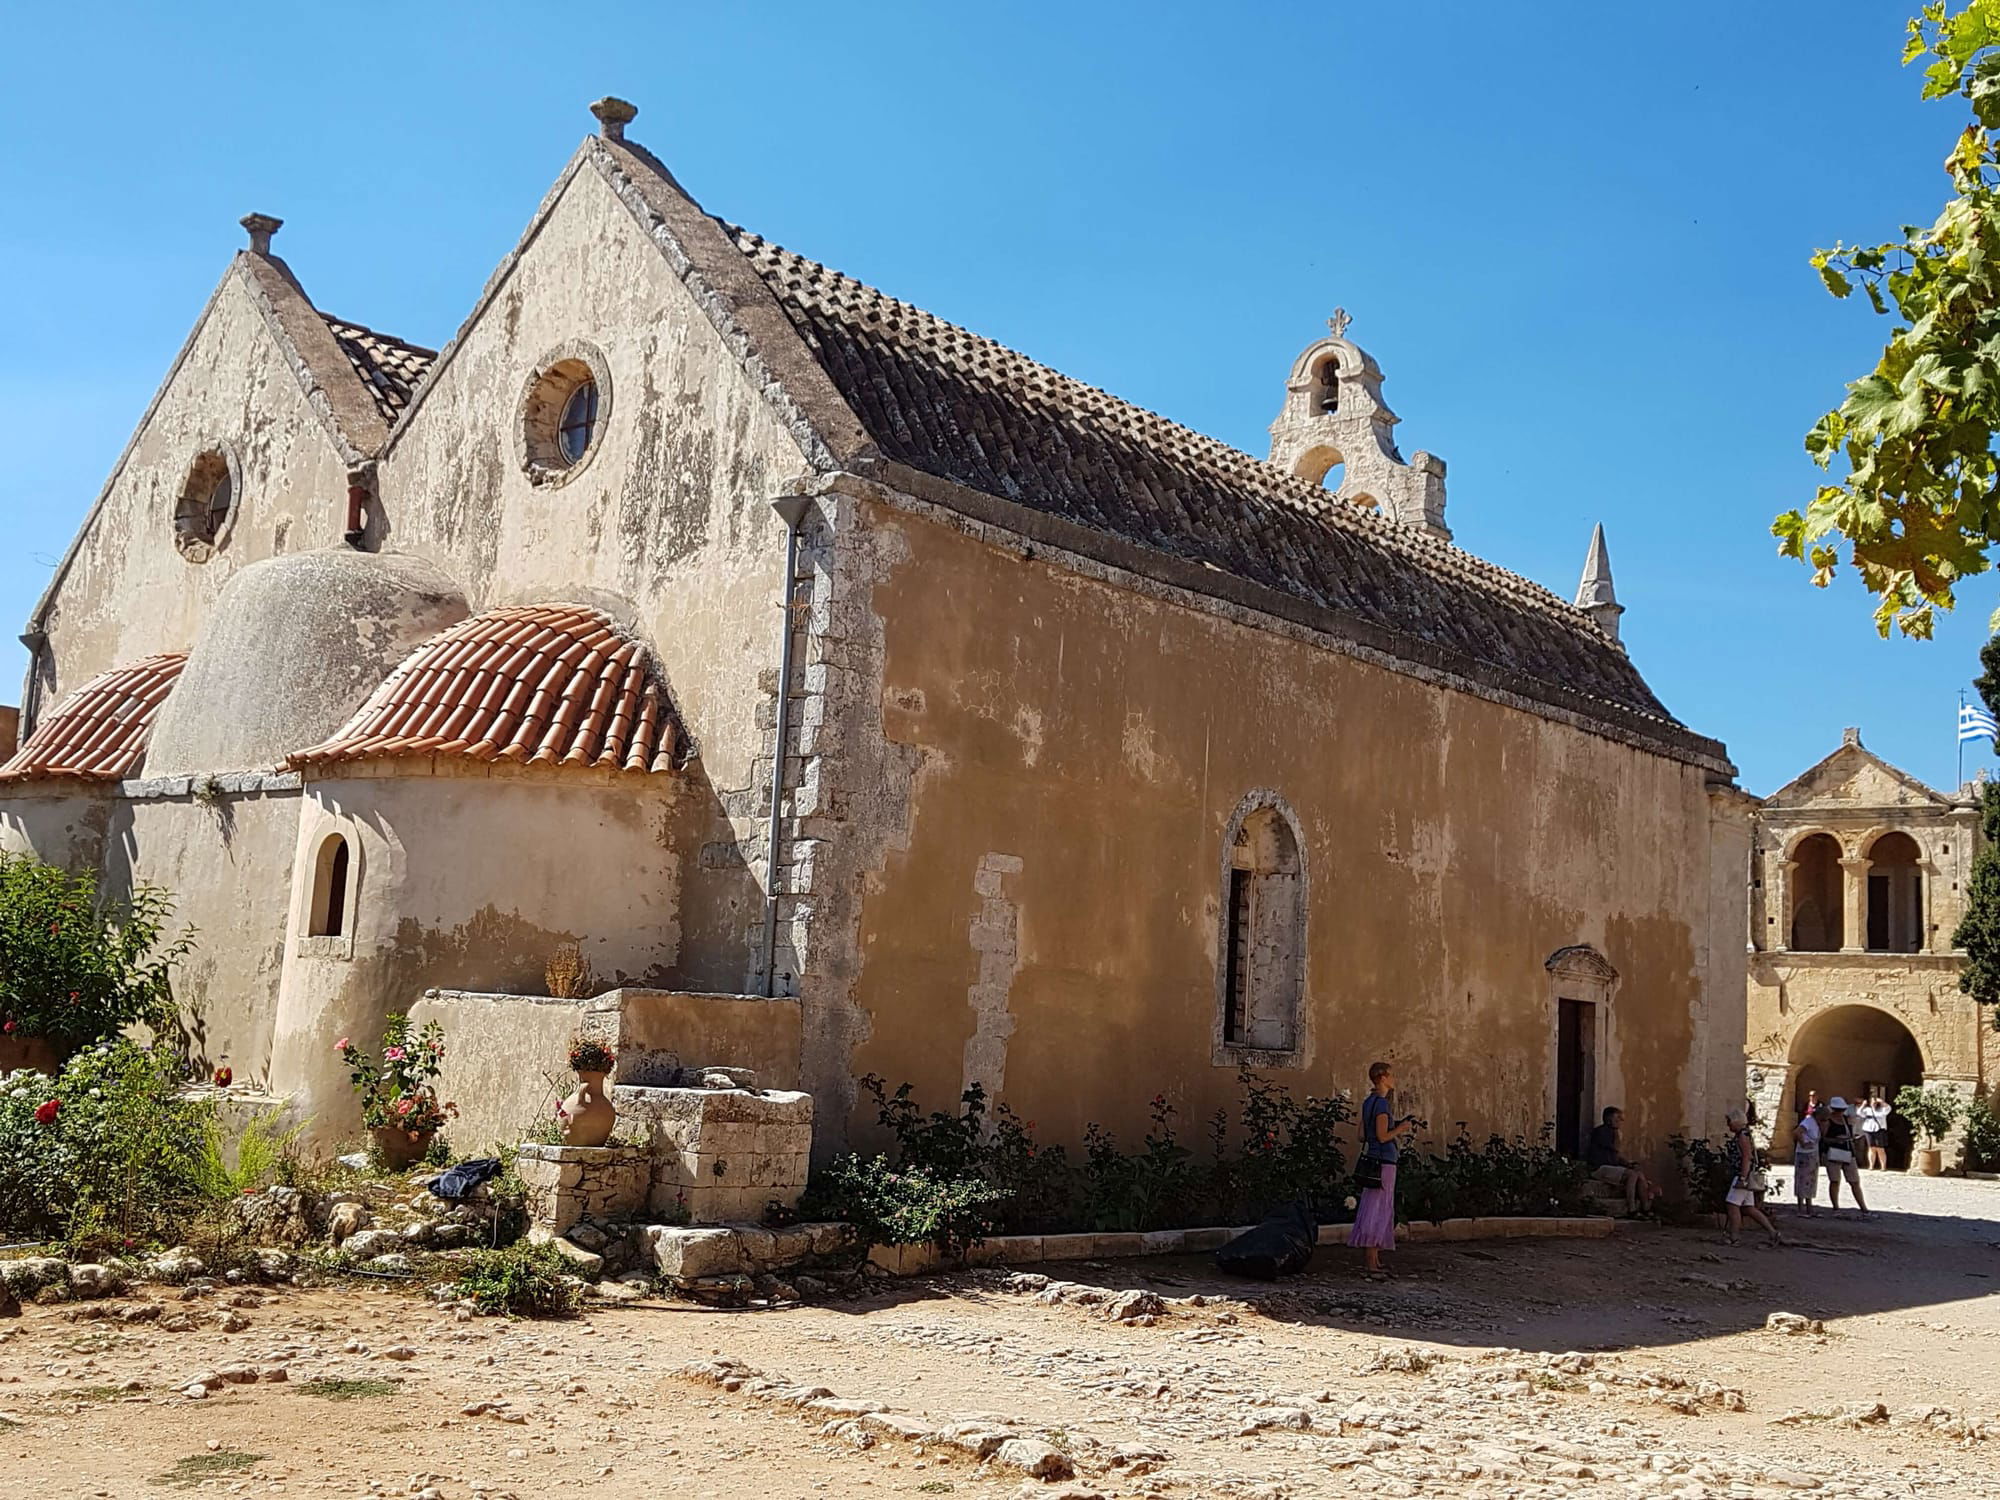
[1961, 746]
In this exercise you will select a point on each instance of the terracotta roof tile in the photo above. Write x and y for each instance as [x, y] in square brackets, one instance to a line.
[540, 684]
[389, 367]
[962, 408]
[99, 732]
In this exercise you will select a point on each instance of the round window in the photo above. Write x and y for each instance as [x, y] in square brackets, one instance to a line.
[579, 423]
[205, 507]
[563, 411]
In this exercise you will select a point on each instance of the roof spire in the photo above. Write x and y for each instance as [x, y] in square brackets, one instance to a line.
[261, 227]
[614, 114]
[1595, 595]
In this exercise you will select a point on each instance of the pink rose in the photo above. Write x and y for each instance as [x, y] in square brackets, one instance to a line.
[341, 1045]
[394, 1054]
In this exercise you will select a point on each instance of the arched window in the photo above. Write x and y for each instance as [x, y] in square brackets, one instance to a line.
[329, 893]
[1818, 908]
[1263, 955]
[1895, 895]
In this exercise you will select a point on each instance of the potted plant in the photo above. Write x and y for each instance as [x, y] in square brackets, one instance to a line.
[399, 1098]
[587, 1117]
[1931, 1113]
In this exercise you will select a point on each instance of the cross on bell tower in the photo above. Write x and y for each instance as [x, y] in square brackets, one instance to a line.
[1337, 324]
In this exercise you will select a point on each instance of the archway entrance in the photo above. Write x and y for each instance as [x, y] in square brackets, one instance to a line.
[1844, 1051]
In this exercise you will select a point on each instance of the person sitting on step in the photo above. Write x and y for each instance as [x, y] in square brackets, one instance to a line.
[1608, 1164]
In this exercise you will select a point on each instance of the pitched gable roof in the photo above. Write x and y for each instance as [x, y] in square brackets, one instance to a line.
[99, 732]
[389, 367]
[959, 407]
[1832, 781]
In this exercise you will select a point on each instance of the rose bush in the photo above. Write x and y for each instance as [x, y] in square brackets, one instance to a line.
[400, 1091]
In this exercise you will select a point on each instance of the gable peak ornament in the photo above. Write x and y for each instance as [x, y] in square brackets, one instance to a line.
[1337, 324]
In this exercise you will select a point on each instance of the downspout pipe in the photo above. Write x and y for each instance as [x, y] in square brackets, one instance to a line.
[34, 638]
[791, 510]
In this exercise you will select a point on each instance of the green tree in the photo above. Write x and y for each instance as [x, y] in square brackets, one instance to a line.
[1918, 508]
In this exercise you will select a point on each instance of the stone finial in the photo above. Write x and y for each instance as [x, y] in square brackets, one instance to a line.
[1850, 737]
[1337, 325]
[613, 115]
[261, 227]
[1595, 594]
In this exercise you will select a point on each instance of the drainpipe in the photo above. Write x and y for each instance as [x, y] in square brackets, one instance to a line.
[34, 638]
[791, 510]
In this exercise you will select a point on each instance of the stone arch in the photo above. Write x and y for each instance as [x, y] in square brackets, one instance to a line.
[1842, 1049]
[1318, 462]
[1895, 896]
[1260, 972]
[1815, 916]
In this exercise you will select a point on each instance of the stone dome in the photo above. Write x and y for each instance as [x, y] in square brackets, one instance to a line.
[293, 646]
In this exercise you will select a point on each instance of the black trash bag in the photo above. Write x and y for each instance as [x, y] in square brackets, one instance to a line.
[467, 1175]
[1279, 1246]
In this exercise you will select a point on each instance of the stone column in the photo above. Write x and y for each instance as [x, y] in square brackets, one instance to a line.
[1854, 905]
[1788, 876]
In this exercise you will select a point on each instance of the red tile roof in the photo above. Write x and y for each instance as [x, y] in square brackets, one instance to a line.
[99, 731]
[389, 367]
[543, 684]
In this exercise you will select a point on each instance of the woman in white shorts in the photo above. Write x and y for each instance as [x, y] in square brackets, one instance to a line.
[1744, 1181]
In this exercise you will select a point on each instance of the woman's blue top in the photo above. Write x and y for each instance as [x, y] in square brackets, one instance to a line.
[1375, 1104]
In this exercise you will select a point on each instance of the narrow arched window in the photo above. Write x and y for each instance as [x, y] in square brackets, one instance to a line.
[1263, 951]
[329, 893]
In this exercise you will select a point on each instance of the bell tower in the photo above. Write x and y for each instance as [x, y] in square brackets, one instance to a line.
[1334, 414]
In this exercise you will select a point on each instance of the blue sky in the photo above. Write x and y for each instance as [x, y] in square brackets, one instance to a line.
[1574, 236]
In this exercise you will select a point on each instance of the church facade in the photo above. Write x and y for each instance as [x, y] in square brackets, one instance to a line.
[863, 695]
[1858, 879]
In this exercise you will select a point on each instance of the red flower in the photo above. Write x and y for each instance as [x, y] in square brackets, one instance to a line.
[8, 1026]
[72, 994]
[45, 1114]
[341, 1045]
[223, 1077]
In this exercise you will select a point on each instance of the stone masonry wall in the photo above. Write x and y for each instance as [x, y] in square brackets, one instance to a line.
[720, 1155]
[568, 1184]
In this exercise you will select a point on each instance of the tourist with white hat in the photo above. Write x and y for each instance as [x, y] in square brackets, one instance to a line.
[1837, 1146]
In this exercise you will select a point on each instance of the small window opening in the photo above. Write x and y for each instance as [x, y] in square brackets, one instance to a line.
[202, 511]
[1263, 958]
[579, 422]
[329, 900]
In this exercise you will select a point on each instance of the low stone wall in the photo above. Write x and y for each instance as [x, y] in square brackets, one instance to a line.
[568, 1184]
[505, 1061]
[720, 1155]
[662, 1035]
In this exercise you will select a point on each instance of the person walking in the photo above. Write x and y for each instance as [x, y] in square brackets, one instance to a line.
[1873, 1114]
[1838, 1143]
[1745, 1182]
[1805, 1163]
[1375, 1216]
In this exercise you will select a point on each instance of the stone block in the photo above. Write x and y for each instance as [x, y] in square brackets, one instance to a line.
[905, 1260]
[1197, 1241]
[759, 1246]
[830, 1238]
[1456, 1229]
[1068, 1246]
[1163, 1242]
[685, 1253]
[1118, 1246]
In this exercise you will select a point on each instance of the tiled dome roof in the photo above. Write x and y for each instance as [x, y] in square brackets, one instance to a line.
[99, 732]
[541, 684]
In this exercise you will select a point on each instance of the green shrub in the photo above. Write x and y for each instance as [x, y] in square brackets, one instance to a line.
[107, 1154]
[1503, 1178]
[1982, 1137]
[76, 965]
[1931, 1112]
[903, 1204]
[528, 1281]
[1289, 1149]
[1142, 1191]
[1706, 1172]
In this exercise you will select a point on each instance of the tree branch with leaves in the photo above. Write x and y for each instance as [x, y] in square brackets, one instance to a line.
[1918, 509]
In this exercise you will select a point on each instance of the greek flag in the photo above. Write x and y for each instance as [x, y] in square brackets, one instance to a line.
[1976, 724]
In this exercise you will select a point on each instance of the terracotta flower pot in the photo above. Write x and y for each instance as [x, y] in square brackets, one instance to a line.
[37, 1052]
[587, 1116]
[401, 1148]
[1930, 1161]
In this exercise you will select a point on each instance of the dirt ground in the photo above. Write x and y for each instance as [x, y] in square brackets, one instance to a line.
[1516, 1368]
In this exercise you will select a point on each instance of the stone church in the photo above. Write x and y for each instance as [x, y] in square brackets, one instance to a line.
[1857, 883]
[863, 697]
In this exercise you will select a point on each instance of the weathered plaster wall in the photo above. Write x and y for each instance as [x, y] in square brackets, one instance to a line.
[667, 525]
[128, 591]
[60, 822]
[505, 1063]
[1103, 738]
[469, 881]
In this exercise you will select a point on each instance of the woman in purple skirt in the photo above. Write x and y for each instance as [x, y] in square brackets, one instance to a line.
[1375, 1217]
